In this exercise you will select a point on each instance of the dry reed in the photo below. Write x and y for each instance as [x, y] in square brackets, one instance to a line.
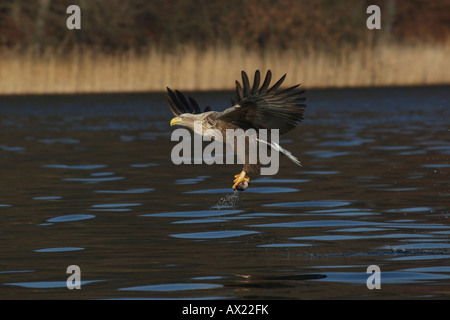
[216, 68]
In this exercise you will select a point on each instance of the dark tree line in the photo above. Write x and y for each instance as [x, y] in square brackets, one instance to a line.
[119, 25]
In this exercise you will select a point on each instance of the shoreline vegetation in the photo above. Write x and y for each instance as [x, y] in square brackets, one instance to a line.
[146, 46]
[216, 67]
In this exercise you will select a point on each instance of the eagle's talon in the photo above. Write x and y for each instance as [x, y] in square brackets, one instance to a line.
[241, 181]
[245, 178]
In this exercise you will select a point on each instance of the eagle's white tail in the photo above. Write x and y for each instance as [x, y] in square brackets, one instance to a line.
[277, 147]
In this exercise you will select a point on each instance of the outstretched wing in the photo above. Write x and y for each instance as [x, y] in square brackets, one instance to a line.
[179, 104]
[261, 107]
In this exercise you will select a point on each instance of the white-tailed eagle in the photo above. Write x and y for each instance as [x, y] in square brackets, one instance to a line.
[253, 107]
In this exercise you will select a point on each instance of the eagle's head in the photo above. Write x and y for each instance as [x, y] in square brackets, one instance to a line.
[184, 119]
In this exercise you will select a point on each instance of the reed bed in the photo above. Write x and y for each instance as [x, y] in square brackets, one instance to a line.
[217, 67]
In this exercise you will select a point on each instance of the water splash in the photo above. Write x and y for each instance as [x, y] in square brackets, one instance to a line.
[230, 200]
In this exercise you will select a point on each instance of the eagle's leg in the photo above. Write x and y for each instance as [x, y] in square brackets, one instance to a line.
[241, 181]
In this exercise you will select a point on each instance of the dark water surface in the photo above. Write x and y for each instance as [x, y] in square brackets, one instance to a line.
[88, 181]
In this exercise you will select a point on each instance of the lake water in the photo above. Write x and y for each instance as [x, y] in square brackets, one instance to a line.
[87, 180]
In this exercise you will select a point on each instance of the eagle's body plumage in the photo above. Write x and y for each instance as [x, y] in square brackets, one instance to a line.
[254, 107]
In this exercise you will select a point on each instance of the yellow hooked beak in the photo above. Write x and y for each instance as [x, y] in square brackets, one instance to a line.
[175, 121]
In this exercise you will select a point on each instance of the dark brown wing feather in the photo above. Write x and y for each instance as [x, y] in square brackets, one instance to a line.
[263, 107]
[179, 104]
